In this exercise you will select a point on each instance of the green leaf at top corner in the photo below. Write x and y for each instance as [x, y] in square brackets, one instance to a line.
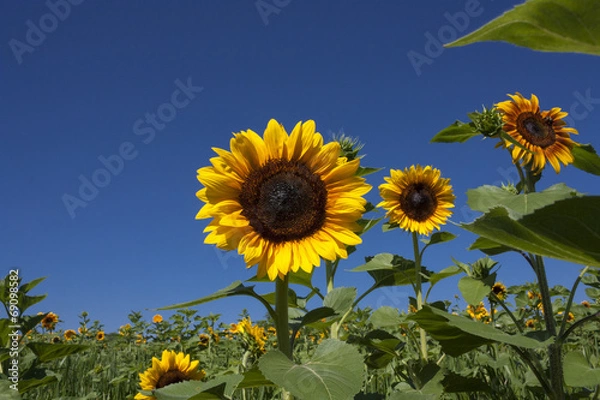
[544, 25]
[586, 159]
[458, 132]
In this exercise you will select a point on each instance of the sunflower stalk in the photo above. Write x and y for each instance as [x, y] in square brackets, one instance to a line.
[554, 349]
[419, 295]
[282, 323]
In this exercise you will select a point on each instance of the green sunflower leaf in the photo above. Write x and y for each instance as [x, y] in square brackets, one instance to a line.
[439, 237]
[473, 290]
[458, 132]
[47, 351]
[586, 159]
[486, 197]
[578, 372]
[391, 270]
[221, 387]
[489, 247]
[334, 372]
[571, 26]
[568, 230]
[386, 317]
[458, 335]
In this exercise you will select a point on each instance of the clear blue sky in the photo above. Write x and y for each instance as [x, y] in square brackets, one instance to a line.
[85, 90]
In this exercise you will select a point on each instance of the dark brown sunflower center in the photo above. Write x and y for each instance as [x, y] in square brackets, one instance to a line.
[172, 376]
[284, 201]
[536, 130]
[418, 202]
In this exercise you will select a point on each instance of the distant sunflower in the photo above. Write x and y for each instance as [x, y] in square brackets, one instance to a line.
[282, 201]
[543, 133]
[100, 335]
[157, 319]
[417, 199]
[69, 334]
[50, 321]
[172, 368]
[499, 289]
[55, 339]
[204, 340]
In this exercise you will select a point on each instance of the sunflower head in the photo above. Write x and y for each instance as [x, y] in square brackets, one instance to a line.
[542, 135]
[171, 368]
[69, 334]
[100, 335]
[417, 199]
[499, 289]
[157, 319]
[283, 201]
[49, 321]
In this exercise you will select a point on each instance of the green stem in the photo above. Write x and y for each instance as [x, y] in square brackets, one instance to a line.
[282, 323]
[563, 325]
[419, 294]
[330, 268]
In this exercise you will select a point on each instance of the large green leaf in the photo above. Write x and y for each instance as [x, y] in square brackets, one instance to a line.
[458, 335]
[386, 317]
[571, 26]
[6, 392]
[473, 290]
[489, 247]
[47, 351]
[486, 197]
[445, 273]
[578, 372]
[568, 230]
[586, 159]
[340, 299]
[334, 372]
[221, 387]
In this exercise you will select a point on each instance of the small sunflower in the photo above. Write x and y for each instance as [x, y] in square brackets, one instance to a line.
[530, 323]
[542, 133]
[69, 334]
[171, 368]
[55, 340]
[157, 319]
[417, 198]
[282, 201]
[100, 335]
[50, 321]
[499, 289]
[586, 304]
[204, 340]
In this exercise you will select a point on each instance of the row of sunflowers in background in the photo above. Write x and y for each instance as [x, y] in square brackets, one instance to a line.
[86, 362]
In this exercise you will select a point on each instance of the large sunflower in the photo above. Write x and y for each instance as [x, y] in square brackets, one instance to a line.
[417, 199]
[172, 368]
[542, 133]
[282, 201]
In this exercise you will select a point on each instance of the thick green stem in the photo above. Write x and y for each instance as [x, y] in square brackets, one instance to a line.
[282, 323]
[419, 294]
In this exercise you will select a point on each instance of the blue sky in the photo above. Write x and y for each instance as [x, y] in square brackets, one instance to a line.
[161, 83]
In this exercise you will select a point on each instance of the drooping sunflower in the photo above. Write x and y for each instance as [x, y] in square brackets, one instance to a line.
[282, 201]
[543, 133]
[417, 198]
[50, 321]
[171, 368]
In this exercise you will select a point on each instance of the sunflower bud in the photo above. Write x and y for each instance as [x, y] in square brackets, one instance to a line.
[349, 146]
[488, 122]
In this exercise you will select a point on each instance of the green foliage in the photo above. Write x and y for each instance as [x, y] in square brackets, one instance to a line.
[546, 25]
[586, 159]
[334, 372]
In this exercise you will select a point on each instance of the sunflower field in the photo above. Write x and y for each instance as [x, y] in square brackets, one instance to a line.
[290, 202]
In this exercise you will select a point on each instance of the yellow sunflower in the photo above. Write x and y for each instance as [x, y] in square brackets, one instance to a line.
[157, 319]
[543, 133]
[172, 368]
[499, 289]
[282, 201]
[50, 321]
[100, 335]
[417, 199]
[69, 334]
